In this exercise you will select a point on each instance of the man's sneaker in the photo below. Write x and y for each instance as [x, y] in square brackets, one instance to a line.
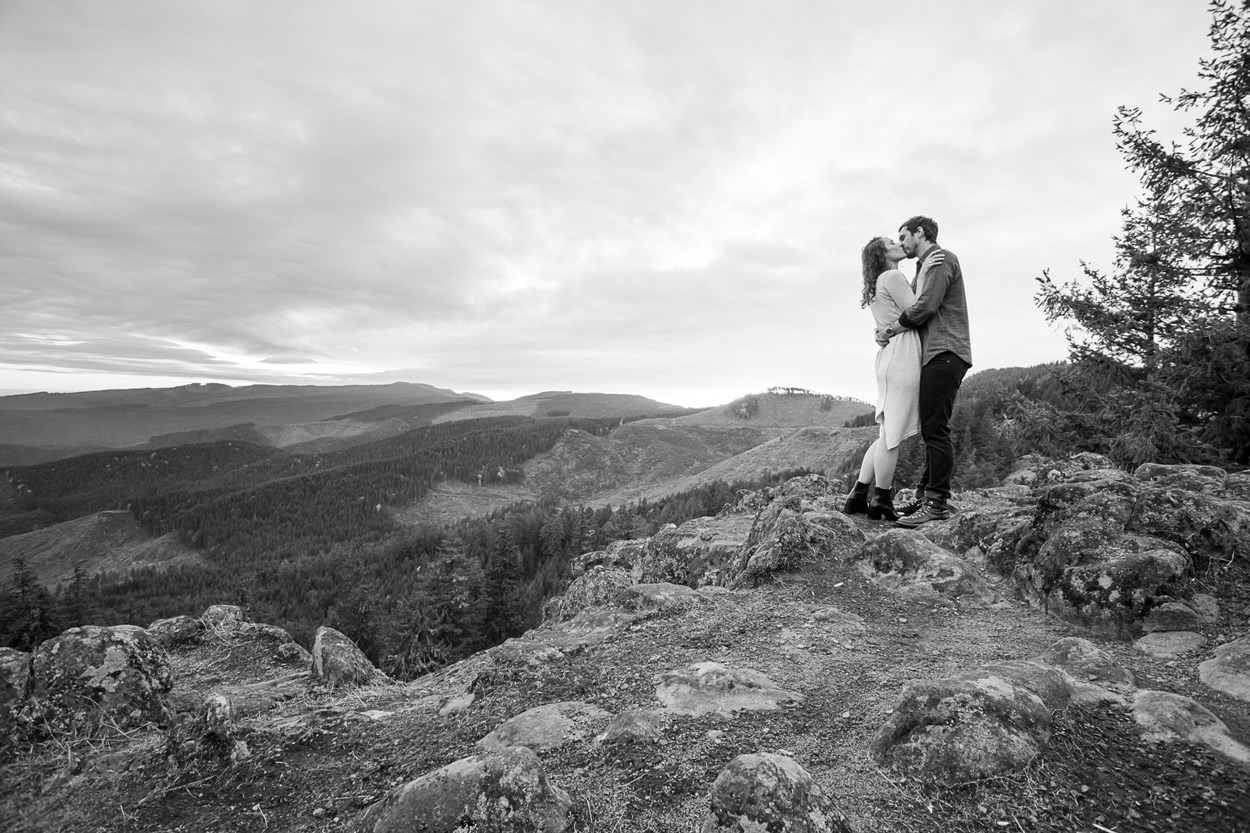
[934, 509]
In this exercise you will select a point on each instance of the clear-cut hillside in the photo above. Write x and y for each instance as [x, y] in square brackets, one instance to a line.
[103, 542]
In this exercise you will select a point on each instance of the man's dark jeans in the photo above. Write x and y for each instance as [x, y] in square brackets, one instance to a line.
[939, 383]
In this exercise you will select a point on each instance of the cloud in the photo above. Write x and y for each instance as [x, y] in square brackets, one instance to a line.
[574, 195]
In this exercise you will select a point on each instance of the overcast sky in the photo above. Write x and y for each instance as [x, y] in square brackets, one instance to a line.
[666, 198]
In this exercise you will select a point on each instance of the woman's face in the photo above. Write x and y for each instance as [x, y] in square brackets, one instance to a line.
[893, 250]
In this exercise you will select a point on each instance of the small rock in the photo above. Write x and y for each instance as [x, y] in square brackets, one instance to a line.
[634, 727]
[1170, 644]
[1229, 670]
[710, 687]
[458, 704]
[547, 727]
[1171, 616]
[500, 791]
[176, 630]
[767, 792]
[1172, 717]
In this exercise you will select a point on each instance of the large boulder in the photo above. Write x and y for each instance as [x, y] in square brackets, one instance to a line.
[694, 553]
[1207, 527]
[1110, 587]
[990, 535]
[596, 586]
[767, 792]
[91, 674]
[503, 792]
[905, 562]
[800, 526]
[963, 728]
[336, 661]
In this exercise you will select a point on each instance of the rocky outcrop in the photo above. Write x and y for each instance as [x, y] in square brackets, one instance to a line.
[1111, 552]
[599, 585]
[14, 685]
[92, 674]
[770, 792]
[693, 554]
[994, 719]
[802, 522]
[505, 791]
[336, 661]
[905, 562]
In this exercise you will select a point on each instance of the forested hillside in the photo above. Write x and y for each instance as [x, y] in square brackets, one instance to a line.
[308, 539]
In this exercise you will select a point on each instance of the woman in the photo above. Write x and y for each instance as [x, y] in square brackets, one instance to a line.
[887, 293]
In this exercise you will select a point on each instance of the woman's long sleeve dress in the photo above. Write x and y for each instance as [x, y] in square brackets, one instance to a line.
[898, 363]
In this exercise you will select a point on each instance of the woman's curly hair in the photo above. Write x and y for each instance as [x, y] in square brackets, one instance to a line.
[875, 263]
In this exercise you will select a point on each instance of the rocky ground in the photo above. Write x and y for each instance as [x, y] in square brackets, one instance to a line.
[659, 689]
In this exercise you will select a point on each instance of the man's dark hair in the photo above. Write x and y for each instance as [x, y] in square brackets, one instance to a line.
[922, 223]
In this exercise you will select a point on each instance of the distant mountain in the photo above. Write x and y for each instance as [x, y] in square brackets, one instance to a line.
[569, 404]
[38, 427]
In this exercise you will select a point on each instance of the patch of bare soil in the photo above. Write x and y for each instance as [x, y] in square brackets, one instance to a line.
[103, 542]
[452, 500]
[318, 757]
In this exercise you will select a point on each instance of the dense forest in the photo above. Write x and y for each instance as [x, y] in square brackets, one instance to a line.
[305, 540]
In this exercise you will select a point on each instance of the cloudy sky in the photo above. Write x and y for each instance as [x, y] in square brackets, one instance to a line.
[662, 197]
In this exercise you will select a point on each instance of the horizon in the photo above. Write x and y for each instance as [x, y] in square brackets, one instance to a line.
[494, 396]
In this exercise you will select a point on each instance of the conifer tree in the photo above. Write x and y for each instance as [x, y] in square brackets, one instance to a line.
[1160, 350]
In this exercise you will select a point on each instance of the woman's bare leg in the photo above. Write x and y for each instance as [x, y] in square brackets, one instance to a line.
[868, 466]
[885, 460]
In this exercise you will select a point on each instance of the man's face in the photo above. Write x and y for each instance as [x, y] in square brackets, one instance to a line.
[910, 241]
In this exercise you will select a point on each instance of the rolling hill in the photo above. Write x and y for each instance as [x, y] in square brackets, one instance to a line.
[47, 426]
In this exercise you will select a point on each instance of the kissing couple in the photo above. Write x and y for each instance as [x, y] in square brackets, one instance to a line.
[926, 350]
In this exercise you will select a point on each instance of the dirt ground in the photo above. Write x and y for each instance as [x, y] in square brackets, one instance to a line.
[317, 758]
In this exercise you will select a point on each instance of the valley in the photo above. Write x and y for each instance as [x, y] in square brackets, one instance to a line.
[469, 512]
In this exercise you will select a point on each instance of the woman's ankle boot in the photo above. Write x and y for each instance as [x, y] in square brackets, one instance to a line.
[857, 500]
[881, 507]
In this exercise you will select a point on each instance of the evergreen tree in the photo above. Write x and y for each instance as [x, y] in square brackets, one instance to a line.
[1160, 354]
[28, 617]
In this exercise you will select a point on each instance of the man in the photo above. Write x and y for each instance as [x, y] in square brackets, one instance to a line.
[941, 315]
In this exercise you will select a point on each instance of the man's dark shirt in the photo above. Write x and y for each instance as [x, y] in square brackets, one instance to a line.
[941, 310]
